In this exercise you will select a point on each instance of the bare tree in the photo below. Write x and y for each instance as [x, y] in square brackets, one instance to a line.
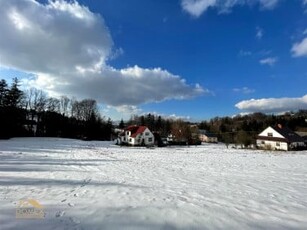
[53, 104]
[64, 104]
[36, 100]
[85, 109]
[180, 130]
[75, 109]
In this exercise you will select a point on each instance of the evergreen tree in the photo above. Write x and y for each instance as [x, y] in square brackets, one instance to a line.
[14, 95]
[121, 124]
[3, 93]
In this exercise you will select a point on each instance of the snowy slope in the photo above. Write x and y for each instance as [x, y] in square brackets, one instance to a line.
[96, 185]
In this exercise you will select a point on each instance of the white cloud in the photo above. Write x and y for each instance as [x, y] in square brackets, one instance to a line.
[169, 116]
[128, 109]
[259, 33]
[300, 49]
[268, 61]
[268, 4]
[244, 90]
[67, 48]
[273, 105]
[198, 7]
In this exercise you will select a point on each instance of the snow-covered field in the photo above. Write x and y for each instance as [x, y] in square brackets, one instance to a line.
[96, 185]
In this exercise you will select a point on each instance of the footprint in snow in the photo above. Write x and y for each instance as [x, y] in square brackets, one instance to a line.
[71, 205]
[74, 220]
[59, 214]
[63, 200]
[85, 182]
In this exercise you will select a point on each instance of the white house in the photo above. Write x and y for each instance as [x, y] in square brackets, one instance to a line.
[137, 135]
[205, 136]
[279, 138]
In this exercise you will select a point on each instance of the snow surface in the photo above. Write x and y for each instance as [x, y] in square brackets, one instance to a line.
[97, 185]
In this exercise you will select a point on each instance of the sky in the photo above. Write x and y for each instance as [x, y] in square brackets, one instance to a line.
[190, 59]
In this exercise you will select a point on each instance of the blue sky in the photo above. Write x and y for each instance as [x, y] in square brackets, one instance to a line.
[182, 58]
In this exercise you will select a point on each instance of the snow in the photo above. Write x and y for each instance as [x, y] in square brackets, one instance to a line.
[97, 185]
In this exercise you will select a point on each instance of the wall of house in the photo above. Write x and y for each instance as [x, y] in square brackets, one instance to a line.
[204, 138]
[273, 145]
[148, 137]
[268, 131]
[212, 139]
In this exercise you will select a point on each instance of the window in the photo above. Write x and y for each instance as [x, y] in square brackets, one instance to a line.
[147, 134]
[262, 142]
[150, 139]
[277, 144]
[130, 139]
[270, 134]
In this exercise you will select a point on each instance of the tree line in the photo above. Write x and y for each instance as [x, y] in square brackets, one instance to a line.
[243, 130]
[240, 130]
[33, 113]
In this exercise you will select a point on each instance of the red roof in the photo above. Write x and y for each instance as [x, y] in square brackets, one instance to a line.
[135, 130]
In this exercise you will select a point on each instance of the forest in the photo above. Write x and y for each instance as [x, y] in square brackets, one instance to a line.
[33, 113]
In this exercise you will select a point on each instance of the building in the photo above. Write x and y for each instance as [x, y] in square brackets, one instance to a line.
[30, 123]
[279, 138]
[137, 136]
[205, 136]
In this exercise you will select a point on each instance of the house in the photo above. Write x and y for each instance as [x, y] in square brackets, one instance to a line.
[279, 138]
[137, 136]
[205, 136]
[30, 123]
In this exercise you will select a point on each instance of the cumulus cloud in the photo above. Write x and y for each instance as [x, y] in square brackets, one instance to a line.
[67, 48]
[300, 49]
[268, 61]
[273, 105]
[127, 109]
[244, 90]
[130, 86]
[198, 7]
[53, 38]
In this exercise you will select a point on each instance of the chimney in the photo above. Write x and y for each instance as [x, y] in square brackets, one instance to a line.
[279, 126]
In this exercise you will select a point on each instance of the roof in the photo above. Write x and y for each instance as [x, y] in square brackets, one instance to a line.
[135, 130]
[288, 134]
[202, 131]
[210, 135]
[205, 132]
